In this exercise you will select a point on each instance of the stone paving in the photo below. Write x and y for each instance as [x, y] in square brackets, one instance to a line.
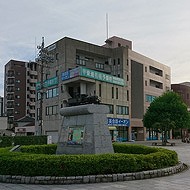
[178, 181]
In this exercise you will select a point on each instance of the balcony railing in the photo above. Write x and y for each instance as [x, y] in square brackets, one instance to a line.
[33, 80]
[32, 104]
[32, 88]
[10, 98]
[32, 111]
[33, 72]
[32, 96]
[10, 106]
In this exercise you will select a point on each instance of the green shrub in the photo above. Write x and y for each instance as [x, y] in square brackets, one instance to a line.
[133, 149]
[4, 150]
[42, 163]
[39, 149]
[7, 141]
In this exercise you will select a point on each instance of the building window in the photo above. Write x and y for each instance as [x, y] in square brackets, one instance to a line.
[150, 98]
[51, 93]
[114, 70]
[122, 110]
[38, 113]
[56, 56]
[127, 95]
[55, 92]
[187, 95]
[47, 110]
[117, 93]
[112, 92]
[145, 69]
[111, 108]
[52, 110]
[99, 66]
[118, 61]
[80, 61]
[146, 83]
[38, 96]
[114, 62]
[56, 73]
[167, 77]
[100, 90]
[155, 71]
[156, 84]
[55, 109]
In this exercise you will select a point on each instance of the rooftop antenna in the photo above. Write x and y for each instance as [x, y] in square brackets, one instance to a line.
[35, 50]
[107, 26]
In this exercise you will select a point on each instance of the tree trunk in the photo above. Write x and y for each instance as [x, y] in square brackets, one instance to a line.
[164, 138]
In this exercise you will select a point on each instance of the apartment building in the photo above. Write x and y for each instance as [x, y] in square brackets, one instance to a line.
[1, 106]
[183, 89]
[121, 78]
[19, 91]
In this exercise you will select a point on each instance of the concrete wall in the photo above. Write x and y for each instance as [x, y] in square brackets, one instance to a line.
[3, 122]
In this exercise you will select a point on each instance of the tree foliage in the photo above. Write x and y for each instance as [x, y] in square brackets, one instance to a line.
[167, 112]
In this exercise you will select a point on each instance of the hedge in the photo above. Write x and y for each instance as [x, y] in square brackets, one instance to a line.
[30, 164]
[133, 149]
[39, 149]
[7, 141]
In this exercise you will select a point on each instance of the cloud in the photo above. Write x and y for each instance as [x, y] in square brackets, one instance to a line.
[159, 29]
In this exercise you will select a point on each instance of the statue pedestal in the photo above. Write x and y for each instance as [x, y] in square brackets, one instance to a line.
[84, 130]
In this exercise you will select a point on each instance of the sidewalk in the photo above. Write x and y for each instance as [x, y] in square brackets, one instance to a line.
[178, 142]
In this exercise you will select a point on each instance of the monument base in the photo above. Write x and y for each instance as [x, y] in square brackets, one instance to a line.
[84, 130]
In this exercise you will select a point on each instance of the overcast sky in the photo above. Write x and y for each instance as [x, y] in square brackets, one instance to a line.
[159, 29]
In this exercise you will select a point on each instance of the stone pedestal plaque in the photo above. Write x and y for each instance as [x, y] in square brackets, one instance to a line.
[84, 130]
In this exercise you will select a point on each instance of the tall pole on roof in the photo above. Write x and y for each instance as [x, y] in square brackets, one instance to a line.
[107, 32]
[43, 59]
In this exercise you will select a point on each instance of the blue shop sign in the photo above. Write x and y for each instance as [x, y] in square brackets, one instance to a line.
[118, 122]
[65, 75]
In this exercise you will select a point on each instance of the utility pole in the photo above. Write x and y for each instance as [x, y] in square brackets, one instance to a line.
[43, 59]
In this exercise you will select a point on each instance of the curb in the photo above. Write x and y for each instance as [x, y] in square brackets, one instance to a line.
[44, 180]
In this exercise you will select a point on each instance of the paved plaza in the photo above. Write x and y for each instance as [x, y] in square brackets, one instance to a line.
[178, 181]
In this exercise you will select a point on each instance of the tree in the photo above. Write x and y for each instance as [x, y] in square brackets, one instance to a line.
[167, 112]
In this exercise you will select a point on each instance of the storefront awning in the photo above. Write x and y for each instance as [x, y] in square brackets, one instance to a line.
[112, 128]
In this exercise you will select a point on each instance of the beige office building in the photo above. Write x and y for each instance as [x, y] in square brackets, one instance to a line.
[124, 80]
